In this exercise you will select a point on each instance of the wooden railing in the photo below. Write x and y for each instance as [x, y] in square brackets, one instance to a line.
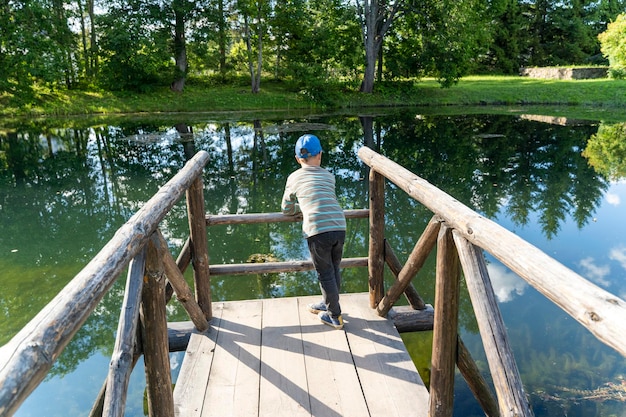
[29, 355]
[416, 317]
[461, 234]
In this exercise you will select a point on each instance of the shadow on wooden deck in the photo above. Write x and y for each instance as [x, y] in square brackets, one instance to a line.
[273, 357]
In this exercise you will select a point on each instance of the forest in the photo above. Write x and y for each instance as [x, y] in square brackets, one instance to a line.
[138, 45]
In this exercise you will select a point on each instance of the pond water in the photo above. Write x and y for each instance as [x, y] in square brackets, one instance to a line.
[67, 185]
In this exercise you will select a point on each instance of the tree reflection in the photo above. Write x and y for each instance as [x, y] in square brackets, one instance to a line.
[65, 190]
[606, 150]
[493, 162]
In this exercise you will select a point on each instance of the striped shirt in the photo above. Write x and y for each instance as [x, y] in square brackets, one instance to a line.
[311, 190]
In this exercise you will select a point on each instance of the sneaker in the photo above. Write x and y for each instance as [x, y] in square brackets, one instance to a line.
[336, 322]
[317, 308]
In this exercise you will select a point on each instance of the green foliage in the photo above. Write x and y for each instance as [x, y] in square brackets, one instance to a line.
[35, 42]
[546, 33]
[570, 39]
[437, 39]
[134, 58]
[129, 45]
[315, 42]
[510, 36]
[614, 47]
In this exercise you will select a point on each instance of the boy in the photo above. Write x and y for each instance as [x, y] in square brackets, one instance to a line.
[311, 191]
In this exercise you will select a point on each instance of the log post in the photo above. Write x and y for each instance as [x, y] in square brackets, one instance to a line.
[418, 256]
[182, 261]
[475, 380]
[122, 360]
[394, 264]
[154, 335]
[184, 257]
[509, 388]
[98, 407]
[376, 255]
[183, 292]
[445, 326]
[199, 247]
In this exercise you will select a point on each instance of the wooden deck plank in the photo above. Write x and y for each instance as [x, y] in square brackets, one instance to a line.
[194, 372]
[388, 376]
[284, 389]
[273, 357]
[233, 387]
[334, 386]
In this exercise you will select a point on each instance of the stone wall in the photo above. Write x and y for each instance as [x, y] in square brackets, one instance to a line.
[565, 73]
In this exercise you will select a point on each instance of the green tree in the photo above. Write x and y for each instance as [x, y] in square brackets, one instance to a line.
[291, 29]
[181, 10]
[222, 34]
[546, 32]
[252, 25]
[29, 56]
[139, 38]
[605, 12]
[210, 37]
[315, 41]
[376, 17]
[133, 47]
[571, 40]
[613, 46]
[510, 37]
[437, 38]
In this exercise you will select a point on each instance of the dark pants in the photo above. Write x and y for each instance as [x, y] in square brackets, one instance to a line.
[326, 252]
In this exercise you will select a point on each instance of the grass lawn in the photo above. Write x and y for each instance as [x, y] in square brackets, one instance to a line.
[601, 98]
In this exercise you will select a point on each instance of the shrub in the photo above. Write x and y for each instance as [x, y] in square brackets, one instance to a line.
[613, 46]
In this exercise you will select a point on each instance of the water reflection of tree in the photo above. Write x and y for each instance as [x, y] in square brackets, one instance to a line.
[261, 171]
[83, 183]
[554, 378]
[606, 150]
[490, 161]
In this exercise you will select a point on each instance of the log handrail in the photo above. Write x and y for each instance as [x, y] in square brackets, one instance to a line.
[122, 360]
[601, 312]
[507, 380]
[252, 218]
[29, 355]
[277, 267]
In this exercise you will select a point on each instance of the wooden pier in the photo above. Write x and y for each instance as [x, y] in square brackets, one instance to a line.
[273, 357]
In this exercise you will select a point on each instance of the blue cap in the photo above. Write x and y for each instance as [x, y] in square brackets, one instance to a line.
[308, 146]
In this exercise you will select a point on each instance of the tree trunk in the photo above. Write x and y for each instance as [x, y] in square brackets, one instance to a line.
[180, 48]
[255, 80]
[369, 40]
[246, 28]
[374, 26]
[83, 39]
[62, 36]
[379, 60]
[93, 46]
[222, 36]
[259, 62]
